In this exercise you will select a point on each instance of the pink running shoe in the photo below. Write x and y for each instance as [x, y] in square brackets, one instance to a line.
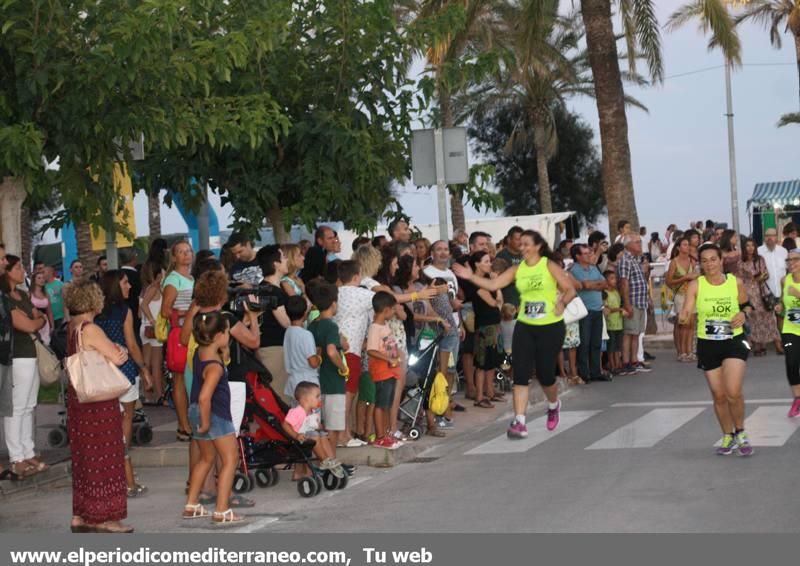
[795, 410]
[552, 417]
[517, 430]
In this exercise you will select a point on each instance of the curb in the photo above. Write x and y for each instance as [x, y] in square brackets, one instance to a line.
[57, 472]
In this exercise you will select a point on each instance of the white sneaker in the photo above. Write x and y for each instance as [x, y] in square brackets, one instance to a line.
[355, 443]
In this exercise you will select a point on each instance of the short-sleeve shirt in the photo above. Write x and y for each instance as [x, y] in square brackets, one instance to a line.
[614, 301]
[248, 272]
[272, 332]
[630, 268]
[302, 422]
[298, 346]
[184, 286]
[54, 289]
[23, 343]
[326, 332]
[354, 315]
[380, 339]
[592, 299]
[510, 293]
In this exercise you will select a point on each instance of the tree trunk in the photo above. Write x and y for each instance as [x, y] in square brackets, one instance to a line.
[87, 256]
[456, 193]
[616, 153]
[278, 229]
[540, 145]
[154, 215]
[26, 236]
[12, 195]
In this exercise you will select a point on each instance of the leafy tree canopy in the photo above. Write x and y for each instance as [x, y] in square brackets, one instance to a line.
[574, 169]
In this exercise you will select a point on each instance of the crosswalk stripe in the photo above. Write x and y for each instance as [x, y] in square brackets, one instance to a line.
[648, 430]
[706, 403]
[537, 434]
[769, 426]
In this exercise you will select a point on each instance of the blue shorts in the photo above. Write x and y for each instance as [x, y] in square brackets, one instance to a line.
[219, 427]
[449, 344]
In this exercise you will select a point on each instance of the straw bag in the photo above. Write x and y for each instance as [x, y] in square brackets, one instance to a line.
[93, 377]
[46, 362]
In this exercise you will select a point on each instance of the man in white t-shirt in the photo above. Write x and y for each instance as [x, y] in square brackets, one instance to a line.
[775, 258]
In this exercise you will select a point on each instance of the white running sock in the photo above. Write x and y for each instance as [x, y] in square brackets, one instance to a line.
[552, 406]
[520, 419]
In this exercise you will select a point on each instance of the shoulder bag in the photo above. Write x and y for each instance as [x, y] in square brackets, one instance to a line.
[47, 363]
[575, 311]
[93, 377]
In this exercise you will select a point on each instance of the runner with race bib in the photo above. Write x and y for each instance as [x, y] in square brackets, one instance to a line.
[721, 302]
[540, 331]
[790, 335]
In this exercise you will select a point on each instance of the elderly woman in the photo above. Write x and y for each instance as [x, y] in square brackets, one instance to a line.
[99, 489]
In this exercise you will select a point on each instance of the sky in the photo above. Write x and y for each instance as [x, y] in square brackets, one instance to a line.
[679, 149]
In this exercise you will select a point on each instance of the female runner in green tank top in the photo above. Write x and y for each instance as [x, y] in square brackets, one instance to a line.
[790, 336]
[539, 332]
[722, 350]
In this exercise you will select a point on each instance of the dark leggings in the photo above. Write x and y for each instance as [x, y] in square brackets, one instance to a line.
[791, 349]
[537, 348]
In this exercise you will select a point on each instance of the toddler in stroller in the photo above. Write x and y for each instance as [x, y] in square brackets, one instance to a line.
[268, 444]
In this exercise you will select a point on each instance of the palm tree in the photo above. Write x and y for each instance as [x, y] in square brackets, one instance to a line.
[474, 34]
[713, 16]
[642, 36]
[154, 215]
[546, 66]
[792, 118]
[775, 14]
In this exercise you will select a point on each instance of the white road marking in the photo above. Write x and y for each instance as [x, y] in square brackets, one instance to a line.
[648, 430]
[769, 426]
[707, 403]
[537, 434]
[254, 526]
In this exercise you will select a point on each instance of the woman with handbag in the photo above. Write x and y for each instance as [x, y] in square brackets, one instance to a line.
[682, 271]
[540, 333]
[754, 275]
[116, 321]
[99, 497]
[26, 320]
[176, 299]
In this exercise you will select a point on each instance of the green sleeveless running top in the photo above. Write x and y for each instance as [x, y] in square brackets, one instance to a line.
[716, 307]
[791, 307]
[537, 292]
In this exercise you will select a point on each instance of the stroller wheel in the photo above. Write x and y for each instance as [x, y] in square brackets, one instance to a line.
[307, 487]
[275, 476]
[242, 483]
[263, 478]
[343, 482]
[318, 482]
[252, 477]
[330, 481]
[57, 437]
[414, 433]
[142, 435]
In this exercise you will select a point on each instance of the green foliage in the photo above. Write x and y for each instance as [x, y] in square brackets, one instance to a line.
[791, 118]
[575, 172]
[82, 78]
[712, 16]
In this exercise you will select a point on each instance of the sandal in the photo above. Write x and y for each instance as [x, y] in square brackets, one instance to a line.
[196, 511]
[484, 404]
[183, 436]
[136, 490]
[37, 465]
[498, 399]
[22, 469]
[8, 475]
[226, 518]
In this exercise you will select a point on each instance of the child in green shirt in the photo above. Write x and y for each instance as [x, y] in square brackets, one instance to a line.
[612, 309]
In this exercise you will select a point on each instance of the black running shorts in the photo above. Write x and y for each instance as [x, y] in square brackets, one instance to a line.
[711, 353]
[536, 348]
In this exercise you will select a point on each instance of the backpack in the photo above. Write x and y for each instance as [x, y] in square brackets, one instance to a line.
[439, 400]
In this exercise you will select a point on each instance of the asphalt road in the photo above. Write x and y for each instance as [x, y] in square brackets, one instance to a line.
[635, 455]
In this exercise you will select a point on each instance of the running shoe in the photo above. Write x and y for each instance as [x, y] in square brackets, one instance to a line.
[386, 442]
[444, 423]
[726, 445]
[642, 367]
[795, 410]
[553, 417]
[743, 444]
[517, 430]
[355, 443]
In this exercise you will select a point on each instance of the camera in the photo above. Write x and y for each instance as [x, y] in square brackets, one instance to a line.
[255, 299]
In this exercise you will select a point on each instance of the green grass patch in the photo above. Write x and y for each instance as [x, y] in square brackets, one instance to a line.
[49, 393]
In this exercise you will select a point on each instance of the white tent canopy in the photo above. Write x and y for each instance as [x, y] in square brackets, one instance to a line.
[545, 224]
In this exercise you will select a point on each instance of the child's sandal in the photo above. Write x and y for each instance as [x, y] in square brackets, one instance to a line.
[226, 517]
[196, 511]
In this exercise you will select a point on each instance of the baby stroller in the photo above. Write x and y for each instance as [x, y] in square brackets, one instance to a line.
[58, 437]
[423, 364]
[503, 375]
[268, 446]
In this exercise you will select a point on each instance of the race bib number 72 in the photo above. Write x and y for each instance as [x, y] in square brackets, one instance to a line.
[719, 330]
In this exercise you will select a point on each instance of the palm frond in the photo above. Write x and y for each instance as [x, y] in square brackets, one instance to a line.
[649, 37]
[713, 17]
[769, 14]
[786, 119]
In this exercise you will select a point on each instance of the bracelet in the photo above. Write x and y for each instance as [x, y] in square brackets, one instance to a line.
[414, 296]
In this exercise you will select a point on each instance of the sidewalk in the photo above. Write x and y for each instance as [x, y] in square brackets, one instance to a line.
[165, 451]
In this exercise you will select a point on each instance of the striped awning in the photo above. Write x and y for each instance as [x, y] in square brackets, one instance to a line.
[779, 193]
